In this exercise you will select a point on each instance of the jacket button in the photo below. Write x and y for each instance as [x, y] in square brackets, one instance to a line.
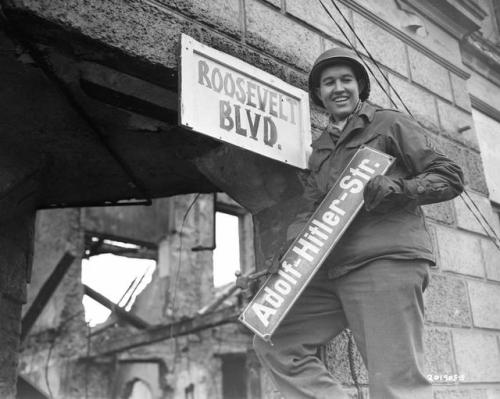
[420, 189]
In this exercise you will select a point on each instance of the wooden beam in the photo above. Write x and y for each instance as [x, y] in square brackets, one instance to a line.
[119, 311]
[45, 294]
[161, 333]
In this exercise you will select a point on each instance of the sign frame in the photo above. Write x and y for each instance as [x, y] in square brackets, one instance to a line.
[190, 115]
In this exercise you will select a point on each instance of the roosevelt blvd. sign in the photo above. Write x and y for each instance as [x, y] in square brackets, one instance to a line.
[230, 100]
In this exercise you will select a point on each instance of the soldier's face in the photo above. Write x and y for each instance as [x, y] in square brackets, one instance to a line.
[338, 90]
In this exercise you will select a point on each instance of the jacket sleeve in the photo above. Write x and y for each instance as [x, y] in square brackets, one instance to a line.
[432, 176]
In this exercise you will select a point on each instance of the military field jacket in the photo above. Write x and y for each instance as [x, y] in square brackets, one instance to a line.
[399, 232]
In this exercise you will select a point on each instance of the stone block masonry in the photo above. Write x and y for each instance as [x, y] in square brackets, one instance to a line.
[313, 14]
[457, 124]
[438, 352]
[459, 252]
[420, 102]
[466, 219]
[474, 172]
[446, 301]
[441, 212]
[491, 259]
[338, 362]
[138, 28]
[377, 94]
[223, 15]
[477, 355]
[485, 304]
[384, 47]
[457, 393]
[461, 97]
[429, 74]
[277, 35]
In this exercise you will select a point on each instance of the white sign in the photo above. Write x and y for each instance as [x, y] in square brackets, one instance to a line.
[230, 100]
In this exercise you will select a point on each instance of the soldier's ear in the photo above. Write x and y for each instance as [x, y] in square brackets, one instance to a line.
[317, 91]
[361, 85]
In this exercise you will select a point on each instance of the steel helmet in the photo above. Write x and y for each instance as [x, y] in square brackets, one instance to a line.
[335, 56]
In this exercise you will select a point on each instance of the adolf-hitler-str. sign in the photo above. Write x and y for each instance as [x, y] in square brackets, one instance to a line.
[235, 102]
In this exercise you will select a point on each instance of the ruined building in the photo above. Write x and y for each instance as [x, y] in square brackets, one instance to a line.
[89, 124]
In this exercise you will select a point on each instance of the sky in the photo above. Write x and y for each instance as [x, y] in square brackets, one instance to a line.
[111, 275]
[226, 255]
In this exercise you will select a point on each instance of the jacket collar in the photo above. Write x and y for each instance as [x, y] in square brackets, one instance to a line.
[364, 116]
[368, 111]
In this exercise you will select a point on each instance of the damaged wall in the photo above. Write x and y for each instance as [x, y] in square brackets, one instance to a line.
[52, 353]
[182, 230]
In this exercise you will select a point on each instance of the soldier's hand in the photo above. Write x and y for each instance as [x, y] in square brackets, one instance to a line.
[278, 256]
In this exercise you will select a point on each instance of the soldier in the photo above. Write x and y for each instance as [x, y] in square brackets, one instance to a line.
[373, 280]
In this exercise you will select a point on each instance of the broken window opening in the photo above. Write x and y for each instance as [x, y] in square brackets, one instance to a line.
[189, 392]
[234, 376]
[138, 389]
[234, 241]
[226, 255]
[96, 243]
[117, 269]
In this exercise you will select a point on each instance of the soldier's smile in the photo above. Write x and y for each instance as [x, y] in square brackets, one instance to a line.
[338, 90]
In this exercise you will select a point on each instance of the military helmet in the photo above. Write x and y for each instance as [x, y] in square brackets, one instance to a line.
[335, 56]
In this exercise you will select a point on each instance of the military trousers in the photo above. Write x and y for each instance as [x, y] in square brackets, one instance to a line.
[382, 304]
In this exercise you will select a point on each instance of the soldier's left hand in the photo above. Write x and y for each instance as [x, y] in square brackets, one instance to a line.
[382, 193]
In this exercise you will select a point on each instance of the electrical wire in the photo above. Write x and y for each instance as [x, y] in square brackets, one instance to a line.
[369, 55]
[357, 52]
[494, 238]
[482, 216]
[52, 346]
[127, 292]
[176, 280]
[135, 288]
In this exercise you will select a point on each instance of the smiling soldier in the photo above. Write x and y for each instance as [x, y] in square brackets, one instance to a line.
[373, 280]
